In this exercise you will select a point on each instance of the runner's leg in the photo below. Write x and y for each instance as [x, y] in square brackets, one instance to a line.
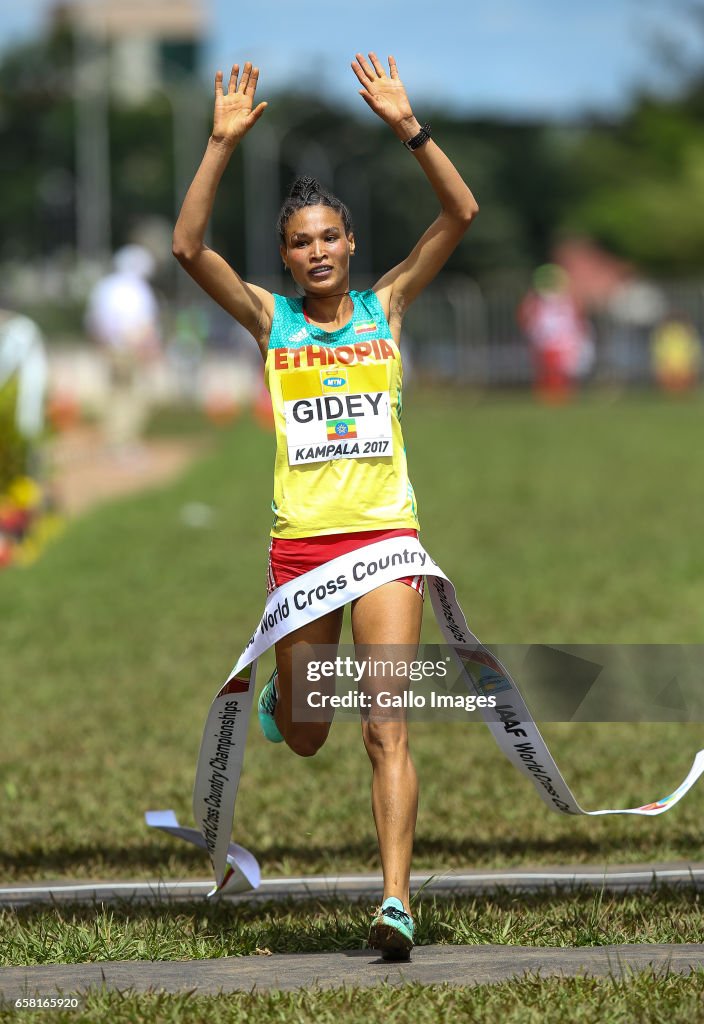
[304, 738]
[391, 614]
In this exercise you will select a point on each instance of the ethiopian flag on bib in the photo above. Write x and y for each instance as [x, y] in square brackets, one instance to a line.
[341, 429]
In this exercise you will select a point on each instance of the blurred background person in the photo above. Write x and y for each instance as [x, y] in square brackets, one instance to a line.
[123, 317]
[676, 353]
[559, 336]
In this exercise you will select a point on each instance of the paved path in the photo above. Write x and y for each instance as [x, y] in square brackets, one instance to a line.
[87, 474]
[455, 965]
[613, 878]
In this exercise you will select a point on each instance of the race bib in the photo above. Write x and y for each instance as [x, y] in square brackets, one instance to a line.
[340, 412]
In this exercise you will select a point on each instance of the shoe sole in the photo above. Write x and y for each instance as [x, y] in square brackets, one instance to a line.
[391, 943]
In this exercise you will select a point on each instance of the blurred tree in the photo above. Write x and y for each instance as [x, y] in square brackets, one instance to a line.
[36, 145]
[634, 185]
[141, 165]
[639, 182]
[641, 186]
[515, 170]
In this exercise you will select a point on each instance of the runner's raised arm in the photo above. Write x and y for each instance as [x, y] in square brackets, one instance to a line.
[233, 117]
[386, 95]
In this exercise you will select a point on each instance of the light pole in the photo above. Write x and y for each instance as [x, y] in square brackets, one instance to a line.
[260, 157]
[92, 143]
[184, 99]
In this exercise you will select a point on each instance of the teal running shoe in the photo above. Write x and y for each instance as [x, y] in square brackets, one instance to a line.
[266, 707]
[392, 931]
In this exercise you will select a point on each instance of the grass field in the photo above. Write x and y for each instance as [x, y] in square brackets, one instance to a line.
[577, 525]
[80, 934]
[649, 998]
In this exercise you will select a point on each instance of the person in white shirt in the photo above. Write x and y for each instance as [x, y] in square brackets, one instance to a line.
[123, 317]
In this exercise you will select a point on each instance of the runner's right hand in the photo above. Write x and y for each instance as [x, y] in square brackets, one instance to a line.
[233, 115]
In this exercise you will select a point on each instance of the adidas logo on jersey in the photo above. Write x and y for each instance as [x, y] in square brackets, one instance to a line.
[299, 335]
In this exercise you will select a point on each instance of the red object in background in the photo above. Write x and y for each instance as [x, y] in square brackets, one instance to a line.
[559, 334]
[552, 383]
[677, 383]
[14, 520]
[551, 322]
[5, 552]
[63, 411]
[594, 275]
[262, 409]
[221, 408]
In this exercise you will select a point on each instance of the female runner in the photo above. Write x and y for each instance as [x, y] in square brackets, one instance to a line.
[328, 504]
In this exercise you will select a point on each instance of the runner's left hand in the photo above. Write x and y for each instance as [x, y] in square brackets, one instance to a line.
[385, 94]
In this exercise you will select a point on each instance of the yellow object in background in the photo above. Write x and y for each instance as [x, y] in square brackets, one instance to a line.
[24, 492]
[676, 354]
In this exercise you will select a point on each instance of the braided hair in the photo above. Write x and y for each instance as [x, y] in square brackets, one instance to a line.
[304, 192]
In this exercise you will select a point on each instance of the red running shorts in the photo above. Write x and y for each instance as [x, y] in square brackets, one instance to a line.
[289, 559]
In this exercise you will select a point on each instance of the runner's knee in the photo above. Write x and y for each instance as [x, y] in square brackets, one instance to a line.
[307, 743]
[385, 739]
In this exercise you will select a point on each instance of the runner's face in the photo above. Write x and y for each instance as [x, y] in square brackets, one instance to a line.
[317, 250]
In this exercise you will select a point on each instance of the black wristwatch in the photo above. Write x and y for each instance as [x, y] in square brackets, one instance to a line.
[420, 139]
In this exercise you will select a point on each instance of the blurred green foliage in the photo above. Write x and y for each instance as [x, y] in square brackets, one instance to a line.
[13, 447]
[634, 185]
[36, 142]
[640, 184]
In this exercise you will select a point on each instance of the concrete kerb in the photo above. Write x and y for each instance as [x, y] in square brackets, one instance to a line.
[454, 965]
[615, 878]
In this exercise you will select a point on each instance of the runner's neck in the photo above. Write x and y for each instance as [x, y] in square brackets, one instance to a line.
[329, 312]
